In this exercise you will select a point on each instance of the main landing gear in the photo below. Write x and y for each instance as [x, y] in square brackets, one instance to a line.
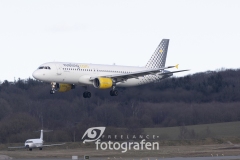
[113, 92]
[86, 94]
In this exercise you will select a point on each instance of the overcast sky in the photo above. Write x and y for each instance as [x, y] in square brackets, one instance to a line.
[204, 34]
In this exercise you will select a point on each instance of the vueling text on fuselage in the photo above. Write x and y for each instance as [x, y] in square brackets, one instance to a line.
[76, 65]
[71, 65]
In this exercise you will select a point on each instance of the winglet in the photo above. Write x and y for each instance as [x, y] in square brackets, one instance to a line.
[177, 66]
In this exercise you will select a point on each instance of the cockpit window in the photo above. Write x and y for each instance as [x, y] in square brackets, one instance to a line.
[44, 67]
[29, 142]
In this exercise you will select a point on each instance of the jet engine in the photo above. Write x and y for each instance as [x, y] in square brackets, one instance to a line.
[62, 87]
[102, 83]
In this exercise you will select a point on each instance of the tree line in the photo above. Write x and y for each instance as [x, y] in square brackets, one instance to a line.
[207, 97]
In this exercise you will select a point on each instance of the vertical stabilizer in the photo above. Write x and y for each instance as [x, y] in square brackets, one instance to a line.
[158, 58]
[41, 135]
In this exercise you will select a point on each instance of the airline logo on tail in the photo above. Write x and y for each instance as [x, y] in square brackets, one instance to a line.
[158, 58]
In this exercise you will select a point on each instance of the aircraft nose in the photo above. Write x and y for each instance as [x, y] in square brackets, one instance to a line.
[36, 74]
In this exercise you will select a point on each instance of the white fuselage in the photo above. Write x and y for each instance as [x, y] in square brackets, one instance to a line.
[78, 73]
[33, 143]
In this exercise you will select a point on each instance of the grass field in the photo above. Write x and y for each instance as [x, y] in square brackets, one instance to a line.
[170, 146]
[217, 130]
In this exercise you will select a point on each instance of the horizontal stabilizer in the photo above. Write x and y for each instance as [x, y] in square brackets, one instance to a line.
[18, 147]
[49, 145]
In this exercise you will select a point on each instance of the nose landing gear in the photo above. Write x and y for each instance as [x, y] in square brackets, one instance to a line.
[53, 90]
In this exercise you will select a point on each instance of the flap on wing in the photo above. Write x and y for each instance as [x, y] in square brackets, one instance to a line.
[173, 72]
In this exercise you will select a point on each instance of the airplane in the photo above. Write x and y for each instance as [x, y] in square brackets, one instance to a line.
[64, 76]
[35, 143]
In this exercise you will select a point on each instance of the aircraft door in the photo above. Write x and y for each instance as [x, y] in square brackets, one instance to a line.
[59, 69]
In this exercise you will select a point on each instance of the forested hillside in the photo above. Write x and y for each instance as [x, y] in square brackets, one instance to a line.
[201, 98]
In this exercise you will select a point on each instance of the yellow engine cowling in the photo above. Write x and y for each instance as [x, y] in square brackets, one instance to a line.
[102, 83]
[62, 87]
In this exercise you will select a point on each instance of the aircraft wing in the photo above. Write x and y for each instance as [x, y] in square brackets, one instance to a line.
[49, 145]
[18, 147]
[173, 72]
[125, 76]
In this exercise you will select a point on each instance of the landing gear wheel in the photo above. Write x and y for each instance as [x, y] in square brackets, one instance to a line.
[113, 92]
[54, 86]
[52, 91]
[30, 149]
[86, 94]
[40, 148]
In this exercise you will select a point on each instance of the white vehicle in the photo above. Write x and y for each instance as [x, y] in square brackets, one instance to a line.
[64, 76]
[35, 143]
